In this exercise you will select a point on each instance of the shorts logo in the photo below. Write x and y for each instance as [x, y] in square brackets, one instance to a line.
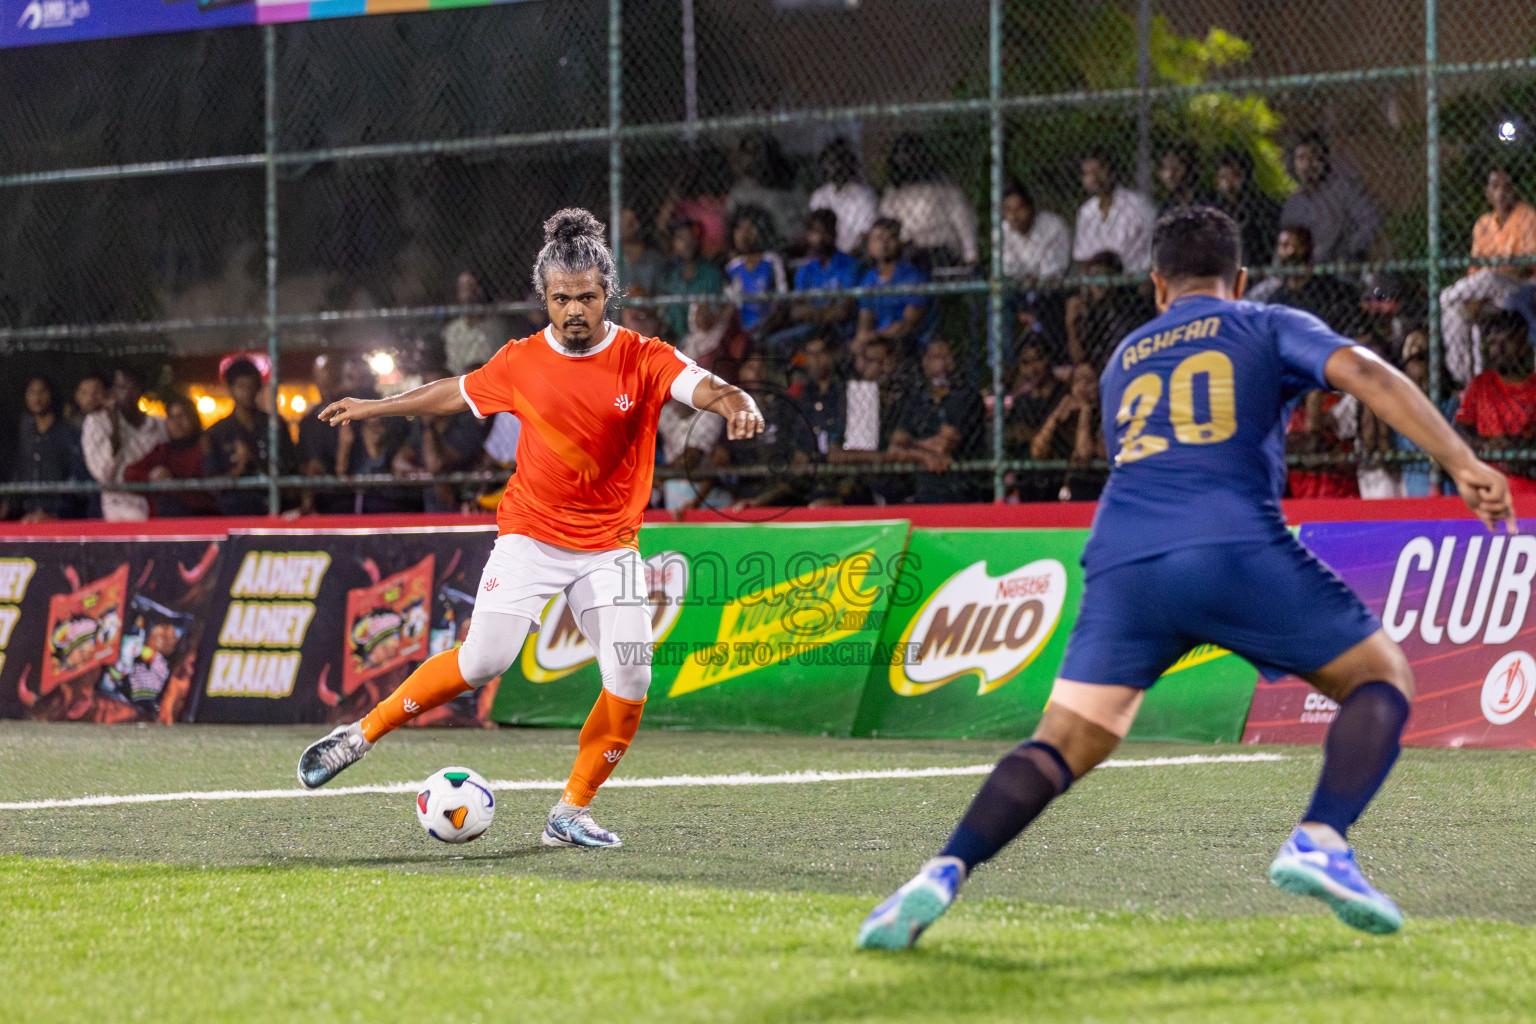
[622, 403]
[1508, 687]
[491, 584]
[612, 756]
[411, 707]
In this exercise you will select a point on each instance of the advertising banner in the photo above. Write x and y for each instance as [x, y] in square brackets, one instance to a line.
[757, 627]
[318, 627]
[1458, 600]
[103, 630]
[32, 22]
[982, 618]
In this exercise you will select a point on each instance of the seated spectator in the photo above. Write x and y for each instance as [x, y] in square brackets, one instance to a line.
[373, 447]
[116, 436]
[845, 194]
[1507, 229]
[643, 320]
[1029, 405]
[870, 425]
[755, 269]
[316, 449]
[940, 423]
[1239, 198]
[1376, 476]
[775, 448]
[936, 218]
[238, 444]
[180, 457]
[1331, 203]
[700, 198]
[643, 266]
[1073, 431]
[1114, 219]
[765, 181]
[1099, 316]
[1415, 476]
[448, 444]
[47, 451]
[686, 274]
[1316, 428]
[1178, 172]
[828, 267]
[686, 438]
[1498, 409]
[715, 339]
[823, 402]
[1332, 300]
[898, 319]
[1036, 243]
[91, 393]
[472, 340]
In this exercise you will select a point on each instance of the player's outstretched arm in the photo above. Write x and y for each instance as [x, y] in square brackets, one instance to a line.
[1398, 401]
[742, 418]
[440, 398]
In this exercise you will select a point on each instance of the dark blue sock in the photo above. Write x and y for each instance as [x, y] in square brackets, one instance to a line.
[1362, 745]
[1018, 789]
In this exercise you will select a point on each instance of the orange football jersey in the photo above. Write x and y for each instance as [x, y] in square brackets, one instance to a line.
[587, 451]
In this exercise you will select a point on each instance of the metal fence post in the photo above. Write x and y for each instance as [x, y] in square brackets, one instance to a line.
[995, 270]
[1432, 206]
[1144, 103]
[275, 422]
[615, 147]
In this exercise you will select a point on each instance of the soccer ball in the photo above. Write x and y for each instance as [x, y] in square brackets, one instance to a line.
[455, 805]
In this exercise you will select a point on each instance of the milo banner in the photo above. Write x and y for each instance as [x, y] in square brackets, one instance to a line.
[1458, 600]
[983, 618]
[757, 627]
[319, 627]
[104, 630]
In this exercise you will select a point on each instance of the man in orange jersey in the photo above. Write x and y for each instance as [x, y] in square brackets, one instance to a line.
[588, 393]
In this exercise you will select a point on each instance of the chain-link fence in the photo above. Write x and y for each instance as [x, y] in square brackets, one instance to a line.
[992, 169]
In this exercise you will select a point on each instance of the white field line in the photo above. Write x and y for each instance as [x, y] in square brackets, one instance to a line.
[663, 782]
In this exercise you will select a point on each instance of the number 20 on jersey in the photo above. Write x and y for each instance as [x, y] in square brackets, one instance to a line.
[1201, 406]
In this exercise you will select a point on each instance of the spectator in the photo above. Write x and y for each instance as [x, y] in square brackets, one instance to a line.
[1331, 203]
[898, 319]
[116, 436]
[448, 444]
[687, 438]
[755, 269]
[828, 267]
[823, 402]
[1099, 316]
[1036, 243]
[471, 340]
[1114, 219]
[1178, 172]
[936, 218]
[1331, 299]
[773, 448]
[378, 447]
[1029, 405]
[939, 423]
[179, 457]
[1507, 229]
[238, 444]
[643, 266]
[700, 198]
[91, 393]
[316, 450]
[868, 429]
[1374, 475]
[845, 194]
[687, 274]
[1239, 198]
[1415, 359]
[47, 451]
[1073, 431]
[643, 320]
[1498, 410]
[1319, 427]
[765, 180]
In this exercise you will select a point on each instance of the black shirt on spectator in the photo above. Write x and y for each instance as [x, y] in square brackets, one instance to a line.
[49, 457]
[922, 416]
[222, 438]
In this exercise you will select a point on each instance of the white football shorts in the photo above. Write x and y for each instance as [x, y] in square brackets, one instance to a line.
[523, 574]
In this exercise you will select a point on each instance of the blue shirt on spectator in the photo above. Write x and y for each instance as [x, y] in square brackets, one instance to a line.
[841, 271]
[890, 308]
[767, 276]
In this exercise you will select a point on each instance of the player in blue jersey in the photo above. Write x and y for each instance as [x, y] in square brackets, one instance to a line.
[1189, 546]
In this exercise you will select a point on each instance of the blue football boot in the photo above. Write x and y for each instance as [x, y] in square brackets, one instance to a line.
[1306, 869]
[573, 826]
[896, 923]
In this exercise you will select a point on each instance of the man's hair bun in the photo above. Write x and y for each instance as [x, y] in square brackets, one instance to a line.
[572, 224]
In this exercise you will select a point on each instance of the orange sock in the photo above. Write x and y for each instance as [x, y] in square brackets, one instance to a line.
[604, 739]
[435, 682]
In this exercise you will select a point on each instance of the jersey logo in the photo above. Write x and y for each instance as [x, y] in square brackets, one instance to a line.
[623, 403]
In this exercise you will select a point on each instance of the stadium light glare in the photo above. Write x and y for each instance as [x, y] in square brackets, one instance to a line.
[206, 405]
[382, 363]
[1507, 131]
[299, 405]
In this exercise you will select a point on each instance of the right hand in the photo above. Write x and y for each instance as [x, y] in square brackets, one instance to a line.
[346, 410]
[159, 473]
[1486, 492]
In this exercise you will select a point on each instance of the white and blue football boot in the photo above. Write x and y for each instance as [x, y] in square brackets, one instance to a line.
[1306, 869]
[325, 758]
[896, 923]
[573, 826]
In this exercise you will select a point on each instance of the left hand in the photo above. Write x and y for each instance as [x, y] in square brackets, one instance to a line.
[745, 423]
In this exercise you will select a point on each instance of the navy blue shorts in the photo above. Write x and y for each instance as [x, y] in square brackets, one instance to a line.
[1271, 601]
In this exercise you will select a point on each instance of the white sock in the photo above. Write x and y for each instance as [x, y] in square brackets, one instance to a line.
[1325, 836]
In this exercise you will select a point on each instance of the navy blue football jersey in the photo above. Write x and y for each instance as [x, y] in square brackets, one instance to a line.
[1195, 408]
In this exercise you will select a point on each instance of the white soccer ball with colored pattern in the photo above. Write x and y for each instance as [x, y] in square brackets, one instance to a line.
[455, 805]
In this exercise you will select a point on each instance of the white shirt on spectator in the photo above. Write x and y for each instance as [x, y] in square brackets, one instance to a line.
[1126, 230]
[501, 442]
[679, 428]
[934, 215]
[1045, 252]
[856, 207]
[133, 443]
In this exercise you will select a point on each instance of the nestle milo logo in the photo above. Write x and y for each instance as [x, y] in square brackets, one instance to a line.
[977, 623]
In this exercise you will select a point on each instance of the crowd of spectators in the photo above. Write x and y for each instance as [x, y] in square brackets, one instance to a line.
[877, 381]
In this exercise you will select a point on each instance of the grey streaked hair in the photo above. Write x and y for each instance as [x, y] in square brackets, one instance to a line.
[573, 242]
